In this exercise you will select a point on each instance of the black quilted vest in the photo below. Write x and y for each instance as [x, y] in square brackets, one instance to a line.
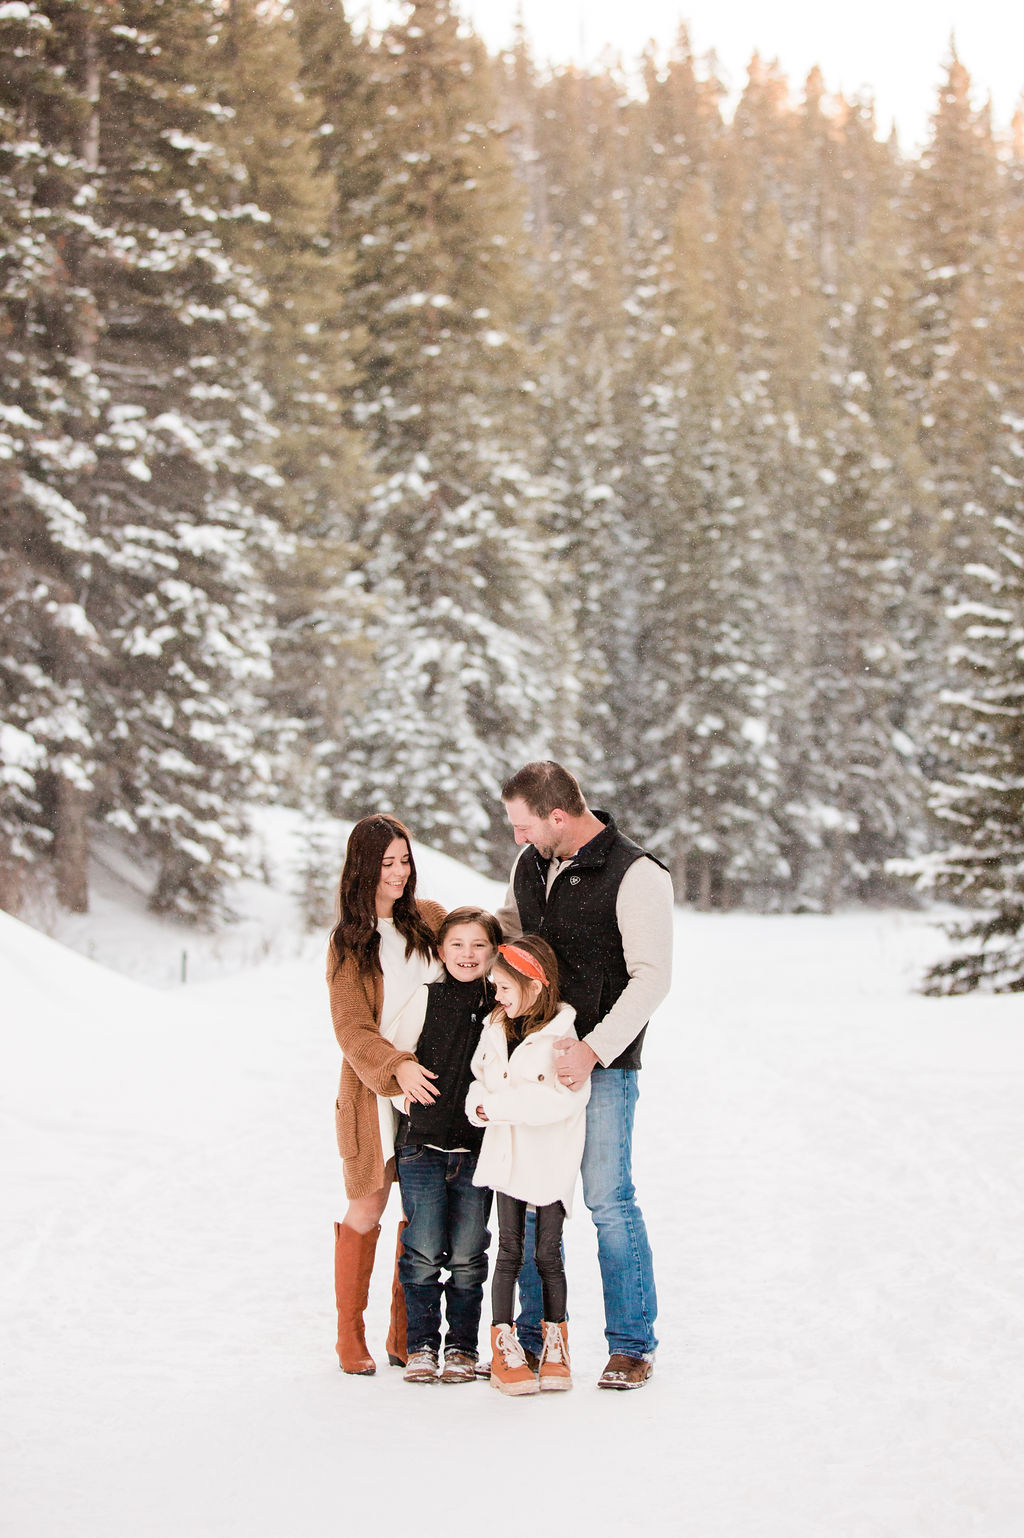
[578, 921]
[451, 1030]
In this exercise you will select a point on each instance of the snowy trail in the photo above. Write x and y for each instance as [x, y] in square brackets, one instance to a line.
[833, 1173]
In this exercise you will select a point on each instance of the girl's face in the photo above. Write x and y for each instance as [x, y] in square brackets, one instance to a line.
[515, 995]
[395, 869]
[466, 952]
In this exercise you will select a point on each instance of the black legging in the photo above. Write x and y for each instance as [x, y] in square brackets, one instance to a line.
[548, 1253]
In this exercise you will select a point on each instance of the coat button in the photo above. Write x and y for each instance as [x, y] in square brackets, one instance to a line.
[504, 1076]
[540, 1078]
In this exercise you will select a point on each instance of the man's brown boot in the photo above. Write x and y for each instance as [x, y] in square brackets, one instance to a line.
[353, 1265]
[626, 1371]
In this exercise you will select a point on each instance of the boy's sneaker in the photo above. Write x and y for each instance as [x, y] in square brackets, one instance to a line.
[510, 1373]
[421, 1367]
[555, 1369]
[459, 1367]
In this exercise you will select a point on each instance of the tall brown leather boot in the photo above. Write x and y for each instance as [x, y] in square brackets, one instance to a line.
[397, 1349]
[353, 1264]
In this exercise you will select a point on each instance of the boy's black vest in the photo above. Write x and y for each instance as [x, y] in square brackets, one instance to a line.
[577, 919]
[451, 1030]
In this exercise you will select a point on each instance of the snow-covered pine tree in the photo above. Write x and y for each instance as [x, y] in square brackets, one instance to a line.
[982, 803]
[304, 361]
[572, 140]
[466, 663]
[707, 752]
[143, 531]
[950, 217]
[182, 453]
[952, 214]
[863, 791]
[776, 310]
[49, 397]
[866, 772]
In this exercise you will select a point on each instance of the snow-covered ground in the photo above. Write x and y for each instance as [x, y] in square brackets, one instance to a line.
[832, 1168]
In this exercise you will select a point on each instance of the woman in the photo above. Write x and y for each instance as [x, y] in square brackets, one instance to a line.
[381, 950]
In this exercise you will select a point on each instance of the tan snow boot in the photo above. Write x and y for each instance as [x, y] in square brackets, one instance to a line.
[555, 1369]
[509, 1371]
[395, 1345]
[353, 1264]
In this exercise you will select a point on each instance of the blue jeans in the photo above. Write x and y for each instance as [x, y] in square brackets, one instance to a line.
[447, 1230]
[623, 1249]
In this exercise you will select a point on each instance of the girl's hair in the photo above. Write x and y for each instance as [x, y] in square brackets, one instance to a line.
[355, 933]
[545, 1005]
[488, 923]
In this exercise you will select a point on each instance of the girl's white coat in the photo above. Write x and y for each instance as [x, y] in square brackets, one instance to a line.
[535, 1126]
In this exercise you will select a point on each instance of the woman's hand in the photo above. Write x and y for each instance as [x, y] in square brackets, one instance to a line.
[481, 1114]
[415, 1082]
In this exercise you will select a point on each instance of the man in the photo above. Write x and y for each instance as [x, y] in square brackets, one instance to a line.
[605, 907]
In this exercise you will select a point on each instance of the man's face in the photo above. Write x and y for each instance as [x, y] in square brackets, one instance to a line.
[546, 834]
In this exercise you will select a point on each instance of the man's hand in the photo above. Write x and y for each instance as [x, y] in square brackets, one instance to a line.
[576, 1061]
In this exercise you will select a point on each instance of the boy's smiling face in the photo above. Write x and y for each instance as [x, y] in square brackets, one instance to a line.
[466, 951]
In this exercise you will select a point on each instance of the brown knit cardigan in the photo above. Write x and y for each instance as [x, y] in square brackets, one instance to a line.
[368, 1070]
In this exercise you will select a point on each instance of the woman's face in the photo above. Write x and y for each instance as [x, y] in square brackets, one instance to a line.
[514, 997]
[395, 869]
[466, 952]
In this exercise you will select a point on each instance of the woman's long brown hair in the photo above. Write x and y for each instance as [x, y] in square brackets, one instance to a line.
[355, 933]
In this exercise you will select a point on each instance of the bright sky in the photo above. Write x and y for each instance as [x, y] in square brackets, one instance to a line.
[893, 49]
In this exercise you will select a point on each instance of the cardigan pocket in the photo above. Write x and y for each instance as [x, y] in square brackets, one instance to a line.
[345, 1130]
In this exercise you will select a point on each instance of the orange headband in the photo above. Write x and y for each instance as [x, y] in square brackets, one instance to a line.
[522, 961]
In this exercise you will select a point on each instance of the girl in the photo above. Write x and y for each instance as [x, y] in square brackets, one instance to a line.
[531, 1151]
[380, 951]
[437, 1152]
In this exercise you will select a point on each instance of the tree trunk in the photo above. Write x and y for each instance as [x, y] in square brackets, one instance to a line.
[10, 882]
[837, 860]
[91, 137]
[680, 873]
[71, 847]
[704, 891]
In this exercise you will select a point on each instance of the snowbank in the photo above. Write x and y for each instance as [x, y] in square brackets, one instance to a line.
[831, 1166]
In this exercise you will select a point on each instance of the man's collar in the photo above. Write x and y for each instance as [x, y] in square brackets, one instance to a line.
[595, 850]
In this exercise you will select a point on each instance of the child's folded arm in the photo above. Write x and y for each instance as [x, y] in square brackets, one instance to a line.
[477, 1097]
[533, 1105]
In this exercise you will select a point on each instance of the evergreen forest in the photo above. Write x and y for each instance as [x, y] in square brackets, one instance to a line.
[377, 414]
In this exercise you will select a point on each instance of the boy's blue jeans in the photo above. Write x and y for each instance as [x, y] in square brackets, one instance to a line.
[447, 1231]
[623, 1249]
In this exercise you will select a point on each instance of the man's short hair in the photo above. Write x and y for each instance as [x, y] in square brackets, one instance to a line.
[545, 787]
